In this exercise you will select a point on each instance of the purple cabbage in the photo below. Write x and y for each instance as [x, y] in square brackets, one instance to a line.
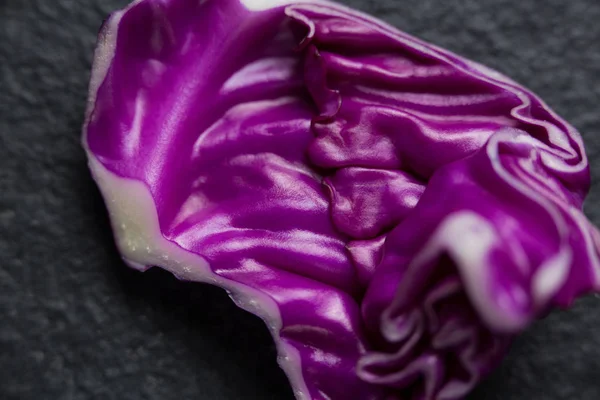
[394, 212]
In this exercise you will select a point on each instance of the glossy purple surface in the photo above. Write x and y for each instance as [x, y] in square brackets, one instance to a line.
[407, 210]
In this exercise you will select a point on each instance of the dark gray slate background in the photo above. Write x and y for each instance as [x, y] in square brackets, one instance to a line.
[76, 324]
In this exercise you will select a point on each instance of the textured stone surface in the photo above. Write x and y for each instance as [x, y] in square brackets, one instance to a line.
[77, 324]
